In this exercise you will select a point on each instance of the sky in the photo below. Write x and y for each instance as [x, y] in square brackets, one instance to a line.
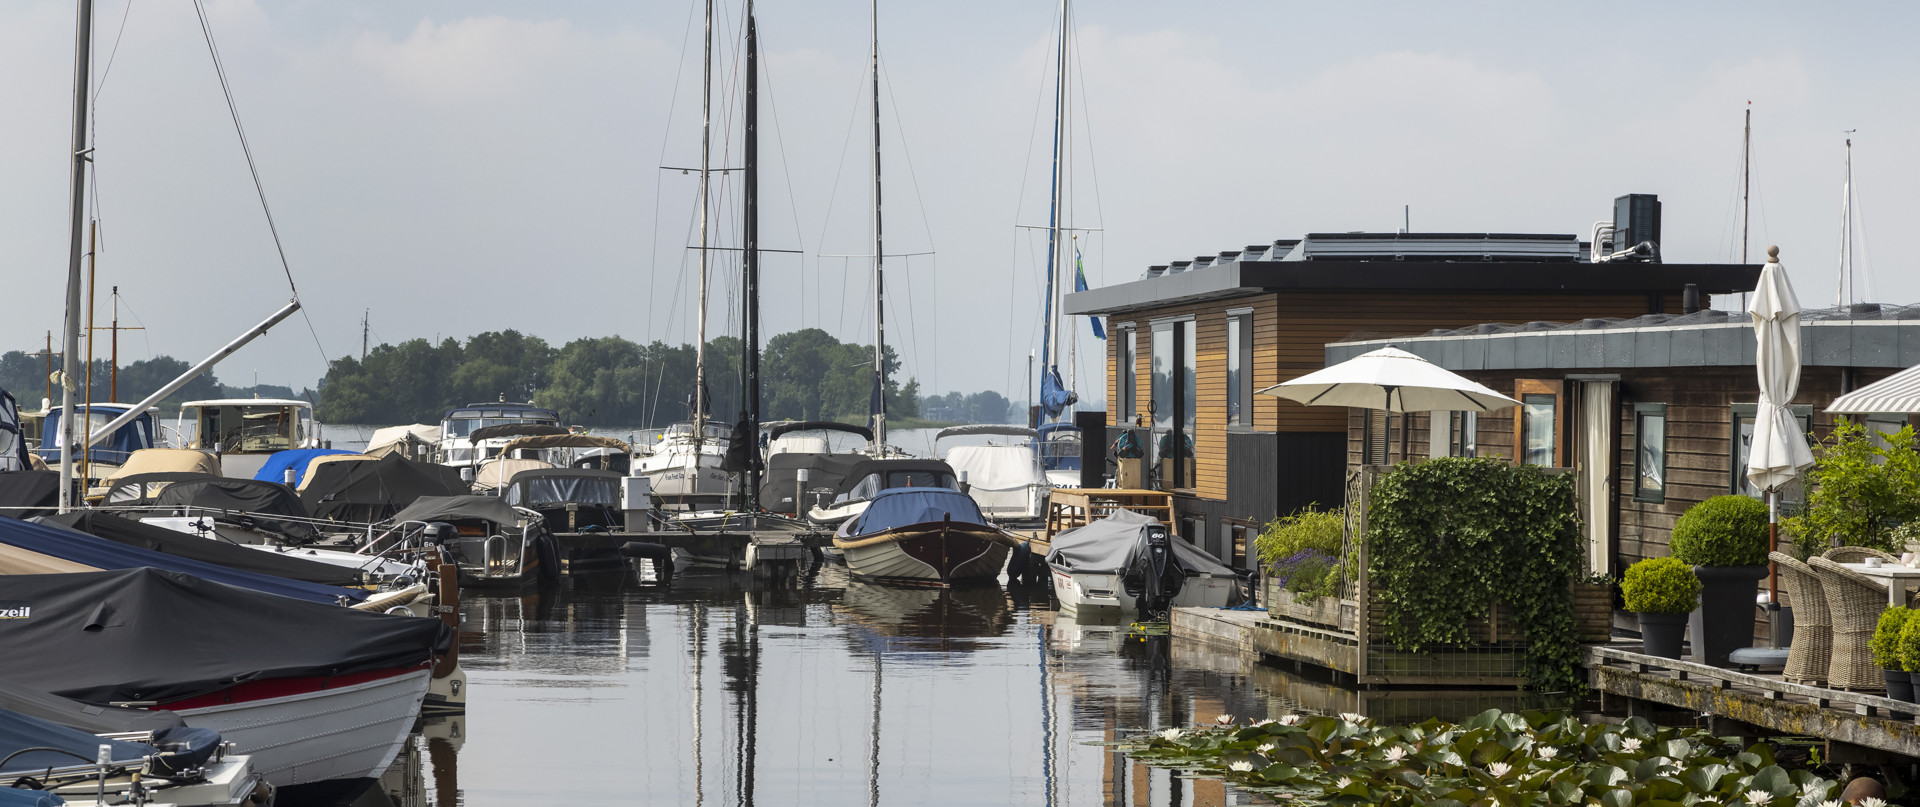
[445, 168]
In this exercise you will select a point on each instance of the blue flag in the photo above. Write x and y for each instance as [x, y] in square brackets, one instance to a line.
[1080, 284]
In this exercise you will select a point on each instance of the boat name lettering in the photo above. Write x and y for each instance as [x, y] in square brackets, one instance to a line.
[15, 610]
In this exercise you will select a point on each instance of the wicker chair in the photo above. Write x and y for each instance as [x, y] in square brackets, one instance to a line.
[1854, 604]
[1856, 554]
[1812, 649]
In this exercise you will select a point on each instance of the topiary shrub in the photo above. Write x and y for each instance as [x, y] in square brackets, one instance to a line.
[1907, 648]
[1660, 586]
[1885, 644]
[1722, 531]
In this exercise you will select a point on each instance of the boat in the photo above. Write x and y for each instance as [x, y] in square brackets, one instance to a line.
[496, 545]
[1059, 446]
[868, 477]
[1133, 564]
[288, 564]
[1058, 441]
[413, 441]
[457, 427]
[112, 451]
[684, 467]
[247, 511]
[322, 697]
[14, 451]
[923, 535]
[796, 446]
[244, 432]
[289, 467]
[1007, 479]
[370, 492]
[570, 499]
[178, 766]
[155, 461]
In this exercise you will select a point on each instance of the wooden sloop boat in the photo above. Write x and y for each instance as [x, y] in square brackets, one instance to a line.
[926, 536]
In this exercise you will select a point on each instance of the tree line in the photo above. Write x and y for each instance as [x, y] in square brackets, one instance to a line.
[25, 375]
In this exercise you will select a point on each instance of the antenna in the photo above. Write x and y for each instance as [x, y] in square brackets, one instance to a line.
[1406, 226]
[363, 333]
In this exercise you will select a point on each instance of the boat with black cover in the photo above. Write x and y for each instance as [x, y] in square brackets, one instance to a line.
[923, 535]
[25, 494]
[286, 563]
[322, 697]
[254, 511]
[791, 447]
[570, 499]
[371, 492]
[496, 545]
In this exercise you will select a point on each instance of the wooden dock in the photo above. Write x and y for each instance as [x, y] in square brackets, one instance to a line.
[738, 549]
[1262, 635]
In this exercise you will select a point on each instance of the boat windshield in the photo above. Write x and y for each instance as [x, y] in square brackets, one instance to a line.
[249, 429]
[546, 490]
[874, 483]
[461, 427]
[713, 431]
[136, 435]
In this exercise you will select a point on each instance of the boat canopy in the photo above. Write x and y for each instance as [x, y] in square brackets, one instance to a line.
[541, 488]
[498, 472]
[998, 429]
[275, 469]
[32, 745]
[867, 478]
[393, 439]
[271, 505]
[460, 508]
[1059, 446]
[369, 492]
[143, 489]
[24, 494]
[508, 430]
[75, 547]
[168, 461]
[775, 430]
[316, 463]
[26, 700]
[547, 441]
[115, 449]
[903, 507]
[825, 473]
[139, 534]
[1110, 545]
[124, 635]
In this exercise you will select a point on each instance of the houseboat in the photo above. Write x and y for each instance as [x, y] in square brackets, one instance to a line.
[244, 432]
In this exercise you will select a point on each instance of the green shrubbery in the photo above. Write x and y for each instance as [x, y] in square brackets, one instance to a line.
[1885, 644]
[1907, 648]
[1862, 491]
[1660, 586]
[1722, 531]
[1301, 552]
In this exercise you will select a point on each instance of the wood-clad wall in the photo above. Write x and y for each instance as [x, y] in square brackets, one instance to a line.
[1290, 334]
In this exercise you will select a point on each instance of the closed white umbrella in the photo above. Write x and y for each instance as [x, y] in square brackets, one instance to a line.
[1779, 451]
[1394, 380]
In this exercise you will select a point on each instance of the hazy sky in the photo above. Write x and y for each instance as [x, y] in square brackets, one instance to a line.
[465, 166]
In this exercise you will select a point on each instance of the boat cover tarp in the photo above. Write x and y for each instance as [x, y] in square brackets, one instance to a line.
[18, 697]
[536, 489]
[137, 489]
[167, 461]
[1108, 546]
[978, 429]
[271, 505]
[30, 744]
[14, 797]
[825, 472]
[275, 469]
[546, 441]
[514, 430]
[399, 439]
[870, 476]
[212, 550]
[14, 560]
[369, 492]
[997, 468]
[155, 635]
[498, 472]
[777, 429]
[903, 507]
[314, 466]
[25, 494]
[456, 508]
[78, 547]
[1054, 396]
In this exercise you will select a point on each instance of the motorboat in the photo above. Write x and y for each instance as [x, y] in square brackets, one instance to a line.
[793, 447]
[495, 473]
[868, 477]
[322, 697]
[458, 449]
[1059, 446]
[570, 499]
[496, 545]
[247, 511]
[685, 466]
[244, 432]
[1006, 478]
[287, 563]
[414, 441]
[289, 467]
[1132, 563]
[154, 461]
[369, 492]
[176, 765]
[111, 452]
[922, 535]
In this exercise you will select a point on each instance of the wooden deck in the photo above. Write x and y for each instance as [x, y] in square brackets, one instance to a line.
[1762, 700]
[1264, 636]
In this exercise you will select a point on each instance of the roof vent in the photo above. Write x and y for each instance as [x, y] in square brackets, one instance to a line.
[1156, 271]
[1178, 266]
[1202, 262]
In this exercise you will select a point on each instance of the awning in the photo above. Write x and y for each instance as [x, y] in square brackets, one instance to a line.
[1897, 394]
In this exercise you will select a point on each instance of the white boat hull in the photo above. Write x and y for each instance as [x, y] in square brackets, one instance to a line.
[969, 558]
[1097, 593]
[339, 735]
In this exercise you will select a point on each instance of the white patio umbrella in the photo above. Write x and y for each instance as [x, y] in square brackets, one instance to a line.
[1394, 380]
[1779, 451]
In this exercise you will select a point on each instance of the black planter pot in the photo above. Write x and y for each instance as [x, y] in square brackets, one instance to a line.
[1724, 622]
[1663, 634]
[1913, 687]
[1899, 684]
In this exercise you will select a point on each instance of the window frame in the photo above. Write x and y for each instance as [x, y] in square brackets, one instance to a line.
[1641, 413]
[1795, 494]
[1129, 382]
[1182, 394]
[1240, 395]
[1555, 389]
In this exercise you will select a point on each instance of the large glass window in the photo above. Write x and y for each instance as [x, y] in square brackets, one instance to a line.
[1453, 434]
[1189, 361]
[1538, 419]
[1650, 452]
[1234, 377]
[1174, 404]
[1129, 375]
[1161, 404]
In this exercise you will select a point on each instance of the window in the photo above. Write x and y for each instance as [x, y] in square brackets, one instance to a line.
[1129, 375]
[1236, 539]
[1742, 446]
[1879, 426]
[1451, 434]
[1536, 438]
[1650, 452]
[1239, 368]
[1160, 403]
[1193, 530]
[1174, 404]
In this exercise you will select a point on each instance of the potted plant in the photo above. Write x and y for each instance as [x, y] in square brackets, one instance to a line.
[1662, 591]
[1725, 540]
[1886, 646]
[1907, 648]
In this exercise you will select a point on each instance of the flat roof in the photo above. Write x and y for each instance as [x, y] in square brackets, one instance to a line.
[1880, 336]
[1243, 278]
[249, 402]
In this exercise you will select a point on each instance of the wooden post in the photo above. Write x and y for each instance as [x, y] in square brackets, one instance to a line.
[449, 608]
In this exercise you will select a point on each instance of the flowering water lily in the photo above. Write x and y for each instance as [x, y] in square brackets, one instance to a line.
[1630, 744]
[1830, 803]
[1351, 717]
[1342, 782]
[1263, 722]
[1242, 766]
[1396, 753]
[1264, 747]
[1758, 797]
[1871, 801]
[1499, 769]
[1546, 752]
[1223, 719]
[1289, 720]
[1170, 735]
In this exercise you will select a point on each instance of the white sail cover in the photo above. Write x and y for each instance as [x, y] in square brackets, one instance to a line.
[1108, 546]
[998, 477]
[1779, 449]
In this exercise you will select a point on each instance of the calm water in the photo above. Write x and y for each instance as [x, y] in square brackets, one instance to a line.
[721, 691]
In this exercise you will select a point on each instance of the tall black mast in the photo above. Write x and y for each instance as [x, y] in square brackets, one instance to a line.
[750, 369]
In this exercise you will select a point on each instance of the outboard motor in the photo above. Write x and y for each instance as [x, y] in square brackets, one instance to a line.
[1153, 579]
[443, 535]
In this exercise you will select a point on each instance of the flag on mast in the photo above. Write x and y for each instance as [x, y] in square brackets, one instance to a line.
[1080, 284]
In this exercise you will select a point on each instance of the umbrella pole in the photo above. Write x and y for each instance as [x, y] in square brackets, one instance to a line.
[1773, 567]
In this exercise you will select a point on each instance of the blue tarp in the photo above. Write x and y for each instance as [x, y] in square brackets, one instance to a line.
[900, 507]
[14, 797]
[1054, 396]
[100, 553]
[19, 732]
[296, 458]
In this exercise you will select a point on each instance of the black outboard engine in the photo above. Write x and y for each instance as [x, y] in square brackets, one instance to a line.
[1153, 579]
[443, 535]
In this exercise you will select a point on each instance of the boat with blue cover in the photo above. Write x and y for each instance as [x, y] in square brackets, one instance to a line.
[927, 536]
[52, 764]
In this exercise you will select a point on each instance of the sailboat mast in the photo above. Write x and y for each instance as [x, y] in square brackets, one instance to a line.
[750, 229]
[700, 343]
[879, 260]
[1049, 325]
[82, 70]
[1746, 181]
[1843, 293]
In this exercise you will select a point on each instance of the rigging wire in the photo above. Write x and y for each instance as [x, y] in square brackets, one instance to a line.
[826, 218]
[919, 200]
[649, 407]
[793, 206]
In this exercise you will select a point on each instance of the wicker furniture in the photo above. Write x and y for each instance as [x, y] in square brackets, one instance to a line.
[1812, 649]
[1854, 604]
[1856, 554]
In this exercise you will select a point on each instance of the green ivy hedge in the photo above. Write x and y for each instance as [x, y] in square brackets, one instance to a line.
[1449, 537]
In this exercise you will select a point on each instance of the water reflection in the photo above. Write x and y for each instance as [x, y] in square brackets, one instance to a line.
[720, 691]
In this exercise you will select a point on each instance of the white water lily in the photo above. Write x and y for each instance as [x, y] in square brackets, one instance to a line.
[1242, 766]
[1831, 803]
[1396, 753]
[1350, 717]
[1267, 721]
[1223, 719]
[1871, 801]
[1547, 752]
[1630, 744]
[1758, 797]
[1499, 769]
[1289, 720]
[1170, 735]
[1342, 783]
[1264, 747]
